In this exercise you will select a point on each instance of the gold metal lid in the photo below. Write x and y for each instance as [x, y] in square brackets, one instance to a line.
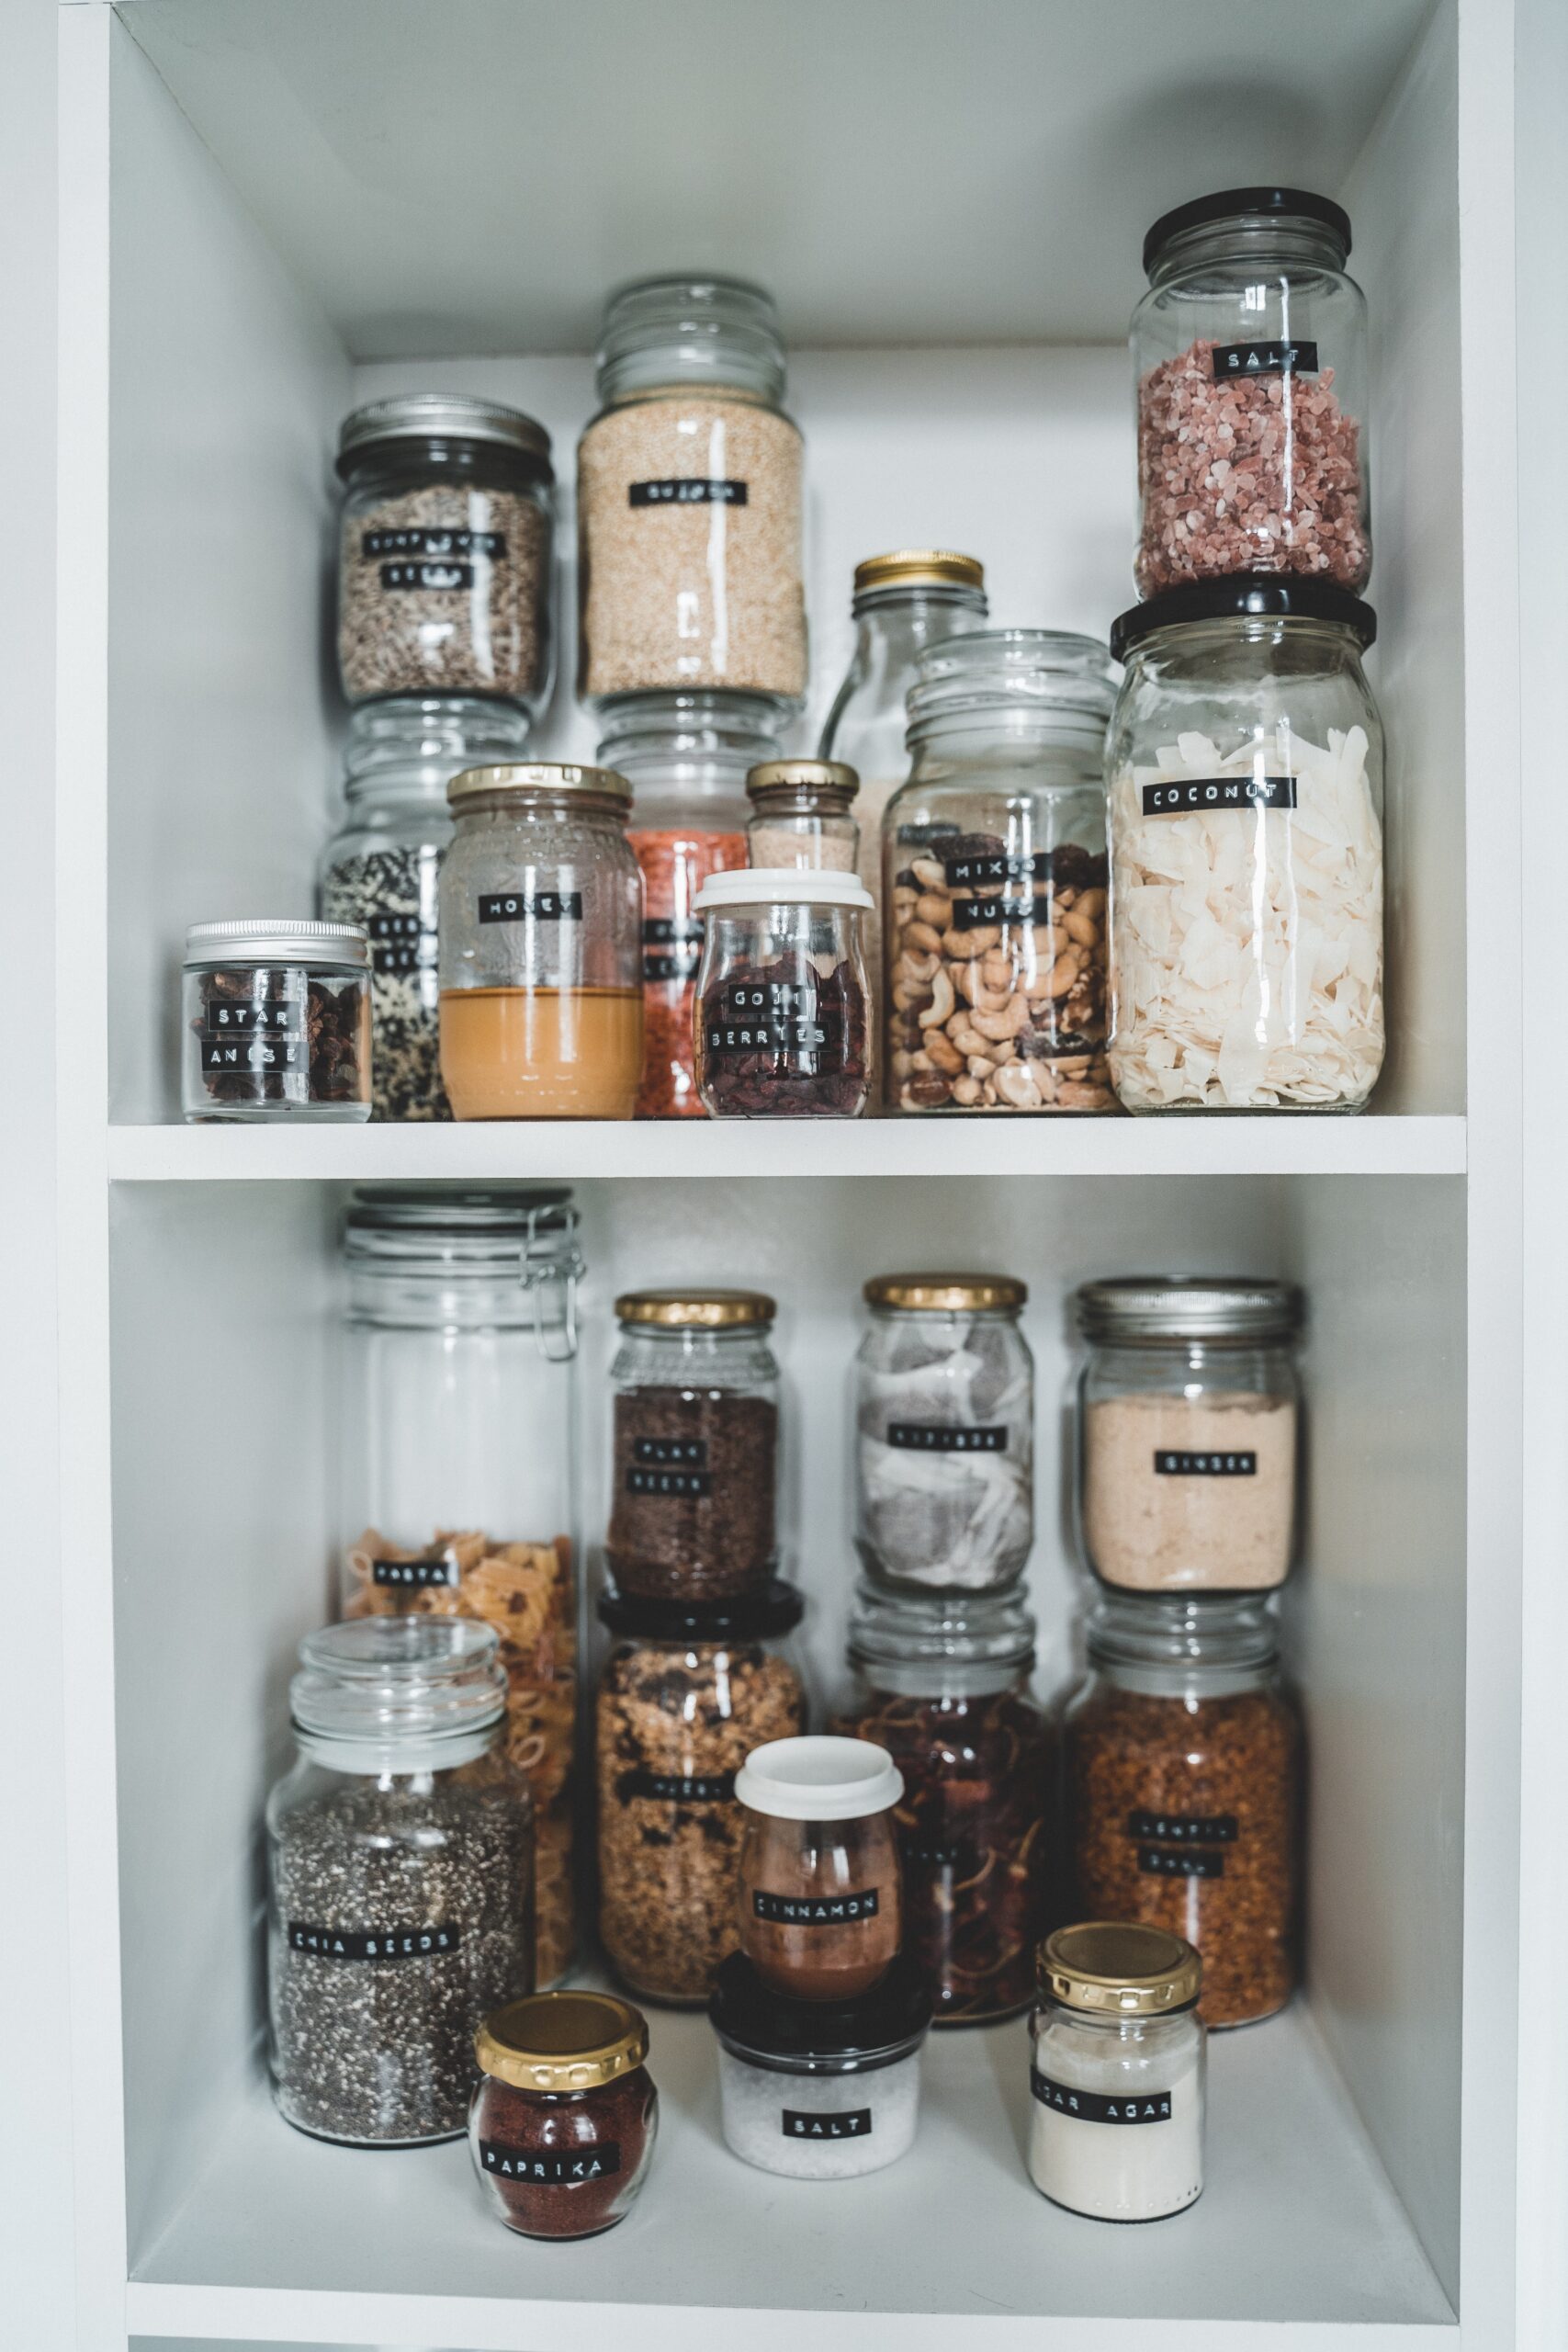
[808, 776]
[1111, 1968]
[537, 776]
[920, 568]
[946, 1293]
[695, 1310]
[562, 2041]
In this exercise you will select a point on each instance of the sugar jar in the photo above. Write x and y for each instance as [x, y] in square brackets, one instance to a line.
[781, 1016]
[821, 1902]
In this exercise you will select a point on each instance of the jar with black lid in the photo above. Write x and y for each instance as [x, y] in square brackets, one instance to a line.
[819, 2090]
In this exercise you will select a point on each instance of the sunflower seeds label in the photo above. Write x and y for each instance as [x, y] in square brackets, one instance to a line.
[928, 1437]
[430, 576]
[415, 1576]
[432, 540]
[687, 491]
[677, 1788]
[536, 905]
[814, 1910]
[1185, 1828]
[849, 2123]
[1094, 2107]
[1171, 1462]
[553, 2168]
[373, 1943]
[1205, 795]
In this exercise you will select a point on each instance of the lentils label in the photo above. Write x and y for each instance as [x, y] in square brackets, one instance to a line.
[814, 1910]
[1174, 1461]
[1230, 360]
[928, 1437]
[850, 2123]
[373, 1943]
[677, 1788]
[537, 906]
[415, 1576]
[687, 491]
[1094, 2107]
[555, 2170]
[1185, 1828]
[1199, 794]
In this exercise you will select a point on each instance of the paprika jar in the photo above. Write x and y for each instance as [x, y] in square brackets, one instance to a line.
[802, 815]
[781, 1016]
[821, 1906]
[563, 2120]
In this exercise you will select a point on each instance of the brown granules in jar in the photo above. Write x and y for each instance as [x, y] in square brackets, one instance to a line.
[1190, 1494]
[695, 1471]
[444, 590]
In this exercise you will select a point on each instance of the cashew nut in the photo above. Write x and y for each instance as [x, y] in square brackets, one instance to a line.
[944, 1054]
[921, 935]
[1004, 1025]
[929, 873]
[990, 1000]
[965, 1037]
[1081, 927]
[922, 968]
[932, 909]
[1063, 972]
[966, 1090]
[996, 970]
[963, 946]
[943, 1004]
[1016, 1085]
[909, 996]
[981, 1066]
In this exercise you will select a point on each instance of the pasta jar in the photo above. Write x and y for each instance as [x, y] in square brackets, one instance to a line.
[821, 1903]
[686, 758]
[994, 865]
[1182, 1771]
[689, 498]
[687, 1690]
[1249, 351]
[444, 550]
[541, 946]
[819, 2090]
[944, 1433]
[457, 1433]
[277, 1020]
[781, 1016]
[564, 2117]
[1243, 774]
[1188, 1434]
[801, 815]
[945, 1690]
[399, 1880]
[695, 1448]
[1117, 2073]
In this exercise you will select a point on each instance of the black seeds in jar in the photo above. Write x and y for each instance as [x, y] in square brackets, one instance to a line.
[445, 588]
[391, 895]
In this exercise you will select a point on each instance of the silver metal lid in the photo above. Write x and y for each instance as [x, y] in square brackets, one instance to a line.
[1188, 1306]
[442, 416]
[538, 776]
[277, 939]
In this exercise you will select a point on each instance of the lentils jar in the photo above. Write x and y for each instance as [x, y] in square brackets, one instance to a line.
[1244, 776]
[995, 891]
[821, 1891]
[565, 2114]
[802, 815]
[277, 1021]
[782, 1028]
[541, 946]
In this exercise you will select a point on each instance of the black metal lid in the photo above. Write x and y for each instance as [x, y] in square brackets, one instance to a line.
[469, 1208]
[1233, 203]
[748, 1617]
[822, 2037]
[1261, 594]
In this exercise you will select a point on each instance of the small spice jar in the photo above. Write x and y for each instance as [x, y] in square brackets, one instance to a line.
[443, 550]
[800, 815]
[541, 924]
[819, 2090]
[782, 1022]
[695, 1467]
[1182, 1771]
[1188, 1414]
[1117, 2073]
[565, 2114]
[276, 1018]
[944, 1433]
[686, 1692]
[1250, 356]
[821, 1903]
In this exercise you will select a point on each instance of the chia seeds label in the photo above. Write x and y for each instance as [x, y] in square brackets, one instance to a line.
[373, 1943]
[432, 540]
[1185, 1828]
[814, 1910]
[400, 943]
[1201, 795]
[677, 1788]
[537, 906]
[850, 2123]
[1232, 359]
[1173, 1463]
[1094, 2107]
[972, 914]
[930, 1437]
[671, 948]
[969, 873]
[555, 2169]
[415, 1576]
[685, 490]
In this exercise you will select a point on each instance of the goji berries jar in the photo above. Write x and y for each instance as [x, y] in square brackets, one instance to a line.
[277, 1020]
[782, 1015]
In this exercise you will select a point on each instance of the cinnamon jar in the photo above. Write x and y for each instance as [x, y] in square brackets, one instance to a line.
[821, 1892]
[562, 2123]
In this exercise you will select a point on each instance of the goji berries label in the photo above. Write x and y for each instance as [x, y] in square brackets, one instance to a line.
[1094, 2107]
[1230, 360]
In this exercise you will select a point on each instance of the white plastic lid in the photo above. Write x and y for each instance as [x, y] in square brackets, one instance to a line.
[819, 1779]
[782, 885]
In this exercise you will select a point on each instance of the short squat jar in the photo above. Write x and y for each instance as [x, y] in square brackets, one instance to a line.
[822, 1899]
[444, 550]
[803, 815]
[563, 2120]
[277, 1021]
[782, 1015]
[819, 2090]
[1117, 2073]
[541, 920]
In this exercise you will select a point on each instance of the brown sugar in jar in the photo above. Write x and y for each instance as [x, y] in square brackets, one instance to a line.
[563, 2124]
[821, 1890]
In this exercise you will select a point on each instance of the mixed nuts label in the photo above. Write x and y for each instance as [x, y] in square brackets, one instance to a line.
[1199, 794]
[814, 1910]
[1292, 359]
[1005, 907]
[930, 1437]
[556, 2169]
[683, 490]
[1094, 2107]
[1173, 1461]
[373, 1943]
[850, 2123]
[973, 872]
[538, 905]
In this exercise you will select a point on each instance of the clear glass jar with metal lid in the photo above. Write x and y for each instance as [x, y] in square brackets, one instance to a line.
[1250, 352]
[399, 1880]
[689, 498]
[695, 1458]
[457, 1451]
[802, 815]
[541, 946]
[782, 1018]
[1118, 2071]
[944, 1433]
[564, 2115]
[1188, 1432]
[444, 550]
[1244, 780]
[275, 1016]
[995, 880]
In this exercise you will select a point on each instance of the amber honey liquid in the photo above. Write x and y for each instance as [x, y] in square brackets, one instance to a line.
[541, 1053]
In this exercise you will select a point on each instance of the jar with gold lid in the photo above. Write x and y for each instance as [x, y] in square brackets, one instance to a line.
[802, 815]
[562, 2123]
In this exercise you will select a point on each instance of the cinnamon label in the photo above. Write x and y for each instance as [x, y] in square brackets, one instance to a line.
[814, 1910]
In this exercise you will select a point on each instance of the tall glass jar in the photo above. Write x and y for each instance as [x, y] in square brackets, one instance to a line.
[802, 814]
[1250, 352]
[686, 757]
[689, 498]
[995, 880]
[1243, 779]
[783, 1020]
[458, 1458]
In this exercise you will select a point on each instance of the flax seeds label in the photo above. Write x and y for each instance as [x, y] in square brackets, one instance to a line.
[687, 491]
[415, 1576]
[1230, 360]
[1171, 1462]
[1202, 796]
[928, 1437]
[677, 1788]
[536, 906]
[373, 1943]
[671, 947]
[850, 2123]
[777, 1017]
[1094, 2107]
[401, 944]
[669, 1466]
[555, 2169]
[814, 1910]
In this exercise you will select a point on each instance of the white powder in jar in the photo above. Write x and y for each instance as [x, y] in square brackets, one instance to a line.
[797, 846]
[1190, 1494]
[1116, 2122]
[819, 2127]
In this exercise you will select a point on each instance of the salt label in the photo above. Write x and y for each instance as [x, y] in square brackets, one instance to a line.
[849, 2123]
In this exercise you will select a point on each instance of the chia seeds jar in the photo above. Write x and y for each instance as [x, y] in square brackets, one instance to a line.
[995, 880]
[1250, 354]
[694, 1460]
[944, 1434]
[801, 815]
[1189, 1413]
[818, 2090]
[821, 1906]
[781, 1016]
[541, 946]
[565, 2115]
[444, 550]
[399, 1880]
[689, 499]
[1243, 777]
[277, 1021]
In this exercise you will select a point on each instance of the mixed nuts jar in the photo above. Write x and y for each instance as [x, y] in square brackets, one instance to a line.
[565, 2114]
[819, 2090]
[821, 1906]
[802, 815]
[277, 1020]
[781, 1013]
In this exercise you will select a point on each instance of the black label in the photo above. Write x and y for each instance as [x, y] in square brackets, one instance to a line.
[252, 1053]
[372, 1943]
[1232, 359]
[396, 941]
[672, 1453]
[414, 1576]
[926, 1437]
[1185, 1828]
[1093, 2107]
[677, 1788]
[552, 2167]
[431, 539]
[687, 493]
[970, 872]
[850, 2123]
[669, 1483]
[1171, 1463]
[1196, 798]
[274, 1016]
[672, 949]
[539, 906]
[814, 1910]
[766, 1037]
[1180, 1861]
[427, 575]
[780, 1017]
[970, 914]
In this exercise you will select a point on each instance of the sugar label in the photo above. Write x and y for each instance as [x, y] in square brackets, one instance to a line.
[814, 1910]
[1230, 360]
[1204, 796]
[553, 2168]
[1095, 2107]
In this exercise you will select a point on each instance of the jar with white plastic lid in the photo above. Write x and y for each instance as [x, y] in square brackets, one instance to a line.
[819, 2090]
[821, 1890]
[781, 1016]
[802, 814]
[275, 1016]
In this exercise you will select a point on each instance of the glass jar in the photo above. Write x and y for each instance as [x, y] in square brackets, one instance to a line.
[277, 1021]
[689, 498]
[944, 1434]
[458, 1455]
[1117, 2044]
[687, 1690]
[819, 2090]
[541, 946]
[1182, 1770]
[565, 2114]
[800, 815]
[782, 1027]
[945, 1690]
[994, 867]
[381, 868]
[685, 757]
[1188, 1434]
[1250, 352]
[694, 1460]
[399, 1880]
[821, 1904]
[444, 550]
[1244, 776]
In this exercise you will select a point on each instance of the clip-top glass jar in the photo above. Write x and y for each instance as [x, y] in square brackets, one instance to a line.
[444, 553]
[565, 2115]
[821, 1890]
[277, 1020]
[1244, 780]
[801, 815]
[541, 946]
[995, 880]
[1249, 351]
[782, 1028]
[689, 498]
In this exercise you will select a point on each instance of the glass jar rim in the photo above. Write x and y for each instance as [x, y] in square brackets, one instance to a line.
[416, 417]
[1138, 1310]
[397, 1681]
[942, 1631]
[479, 1229]
[692, 723]
[1264, 206]
[683, 331]
[1183, 1633]
[1051, 674]
[427, 731]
